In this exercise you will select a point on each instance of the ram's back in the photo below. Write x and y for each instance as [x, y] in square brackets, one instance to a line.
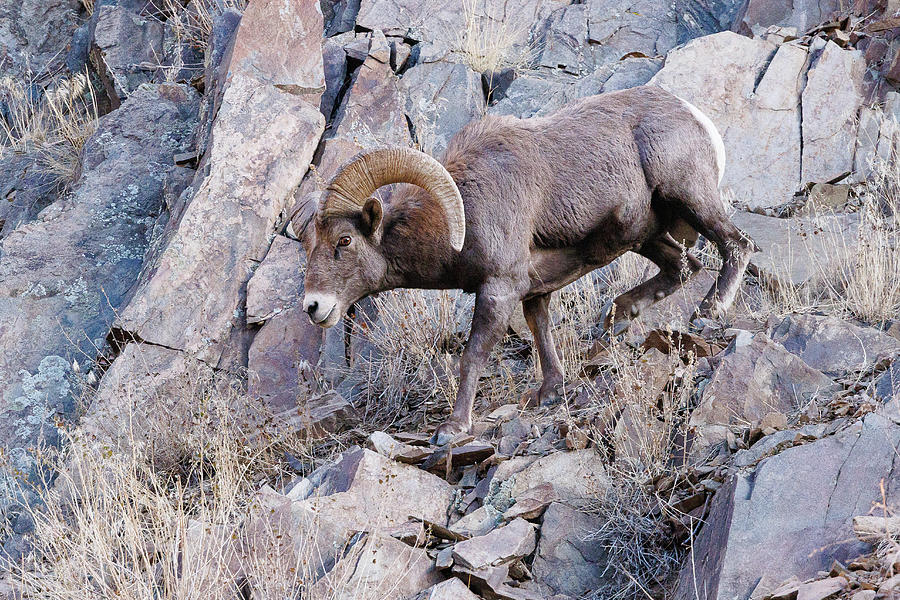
[596, 164]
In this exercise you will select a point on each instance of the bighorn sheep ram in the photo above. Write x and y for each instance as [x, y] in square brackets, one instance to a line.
[521, 208]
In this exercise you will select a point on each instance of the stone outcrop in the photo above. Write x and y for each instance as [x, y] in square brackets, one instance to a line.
[754, 377]
[35, 32]
[751, 90]
[58, 301]
[793, 515]
[262, 142]
[832, 345]
[129, 47]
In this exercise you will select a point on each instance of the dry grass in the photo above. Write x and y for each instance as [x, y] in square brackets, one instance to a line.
[488, 43]
[119, 523]
[410, 354]
[55, 126]
[578, 308]
[192, 22]
[639, 424]
[858, 276]
[866, 282]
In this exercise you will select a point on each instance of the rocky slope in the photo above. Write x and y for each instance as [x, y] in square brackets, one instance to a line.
[734, 460]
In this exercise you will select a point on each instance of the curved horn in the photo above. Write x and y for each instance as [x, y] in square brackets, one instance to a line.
[372, 169]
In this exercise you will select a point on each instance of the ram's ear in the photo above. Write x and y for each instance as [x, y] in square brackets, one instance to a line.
[372, 216]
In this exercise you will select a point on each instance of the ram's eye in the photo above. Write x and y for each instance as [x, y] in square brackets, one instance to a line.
[344, 241]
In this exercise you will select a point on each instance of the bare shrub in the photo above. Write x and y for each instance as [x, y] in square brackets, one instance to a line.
[641, 557]
[641, 430]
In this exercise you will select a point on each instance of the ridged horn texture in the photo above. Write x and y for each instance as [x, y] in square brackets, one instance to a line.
[369, 170]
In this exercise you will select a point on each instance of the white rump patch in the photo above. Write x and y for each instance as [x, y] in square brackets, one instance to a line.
[710, 127]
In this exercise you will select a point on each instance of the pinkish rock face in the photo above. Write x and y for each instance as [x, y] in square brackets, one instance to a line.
[279, 42]
[718, 74]
[262, 141]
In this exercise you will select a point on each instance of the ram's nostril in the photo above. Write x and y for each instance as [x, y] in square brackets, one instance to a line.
[311, 309]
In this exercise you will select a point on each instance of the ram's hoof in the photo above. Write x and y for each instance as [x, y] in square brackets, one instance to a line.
[444, 434]
[613, 327]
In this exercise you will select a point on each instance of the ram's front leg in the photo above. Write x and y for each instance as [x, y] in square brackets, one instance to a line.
[494, 304]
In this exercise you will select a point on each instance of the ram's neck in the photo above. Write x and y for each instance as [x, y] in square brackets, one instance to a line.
[416, 244]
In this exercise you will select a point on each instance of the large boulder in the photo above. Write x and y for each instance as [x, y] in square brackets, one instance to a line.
[751, 90]
[362, 492]
[754, 377]
[799, 249]
[792, 517]
[262, 142]
[35, 32]
[58, 300]
[575, 476]
[563, 39]
[833, 345]
[645, 26]
[383, 567]
[831, 100]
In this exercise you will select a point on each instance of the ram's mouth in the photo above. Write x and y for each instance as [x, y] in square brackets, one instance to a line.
[325, 321]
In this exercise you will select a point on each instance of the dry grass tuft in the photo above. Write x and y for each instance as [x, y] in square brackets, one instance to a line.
[192, 22]
[859, 276]
[55, 126]
[867, 282]
[409, 354]
[641, 557]
[490, 44]
[117, 523]
[578, 308]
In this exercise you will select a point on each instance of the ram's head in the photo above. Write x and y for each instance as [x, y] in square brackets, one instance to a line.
[346, 258]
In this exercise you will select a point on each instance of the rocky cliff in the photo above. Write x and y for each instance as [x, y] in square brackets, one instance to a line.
[159, 167]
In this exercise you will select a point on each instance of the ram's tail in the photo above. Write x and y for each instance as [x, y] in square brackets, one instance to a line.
[714, 136]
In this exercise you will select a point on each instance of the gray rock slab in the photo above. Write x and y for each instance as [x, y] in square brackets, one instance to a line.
[441, 98]
[793, 515]
[756, 378]
[567, 561]
[832, 345]
[832, 98]
[798, 249]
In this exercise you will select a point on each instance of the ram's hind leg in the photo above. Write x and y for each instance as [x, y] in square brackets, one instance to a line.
[676, 265]
[709, 218]
[537, 315]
